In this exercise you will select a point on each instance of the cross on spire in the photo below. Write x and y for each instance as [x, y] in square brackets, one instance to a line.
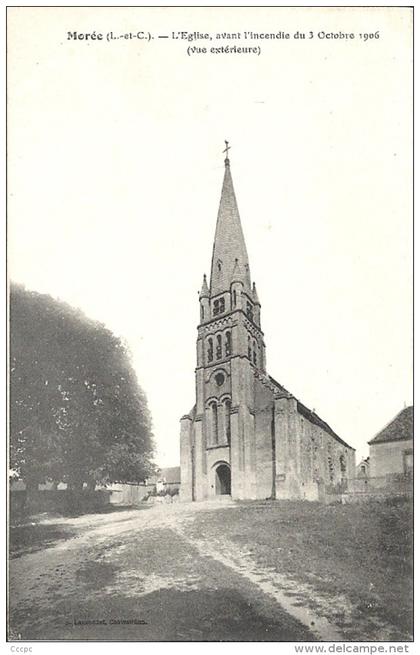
[230, 257]
[226, 150]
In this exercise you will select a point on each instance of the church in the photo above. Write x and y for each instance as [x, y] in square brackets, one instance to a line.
[247, 436]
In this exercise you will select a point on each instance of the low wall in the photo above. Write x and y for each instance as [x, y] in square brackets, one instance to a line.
[376, 488]
[66, 500]
[387, 484]
[165, 500]
[62, 500]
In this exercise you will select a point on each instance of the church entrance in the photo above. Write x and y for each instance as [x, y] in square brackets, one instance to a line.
[223, 480]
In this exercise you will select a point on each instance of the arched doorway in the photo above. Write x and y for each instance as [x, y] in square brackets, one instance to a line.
[223, 480]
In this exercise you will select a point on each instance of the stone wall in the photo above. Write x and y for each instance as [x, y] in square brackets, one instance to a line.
[277, 447]
[309, 460]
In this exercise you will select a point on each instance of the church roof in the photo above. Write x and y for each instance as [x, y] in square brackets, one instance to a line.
[309, 414]
[399, 429]
[282, 390]
[229, 249]
[317, 420]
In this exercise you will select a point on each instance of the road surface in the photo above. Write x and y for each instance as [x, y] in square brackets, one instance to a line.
[138, 575]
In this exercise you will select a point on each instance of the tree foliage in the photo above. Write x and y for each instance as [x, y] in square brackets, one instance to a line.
[77, 413]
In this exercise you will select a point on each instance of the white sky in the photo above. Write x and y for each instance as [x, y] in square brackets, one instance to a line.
[115, 173]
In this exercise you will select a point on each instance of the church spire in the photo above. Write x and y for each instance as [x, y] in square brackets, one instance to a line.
[229, 249]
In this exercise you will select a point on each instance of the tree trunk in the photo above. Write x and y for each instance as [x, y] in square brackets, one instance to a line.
[91, 484]
[31, 494]
[76, 485]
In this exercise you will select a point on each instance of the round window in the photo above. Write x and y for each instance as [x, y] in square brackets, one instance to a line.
[220, 378]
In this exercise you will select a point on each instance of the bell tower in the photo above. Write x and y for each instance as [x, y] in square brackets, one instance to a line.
[230, 348]
[247, 436]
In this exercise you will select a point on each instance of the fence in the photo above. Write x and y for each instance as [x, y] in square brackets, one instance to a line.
[129, 494]
[64, 500]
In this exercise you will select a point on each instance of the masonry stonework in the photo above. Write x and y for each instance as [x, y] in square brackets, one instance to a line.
[247, 436]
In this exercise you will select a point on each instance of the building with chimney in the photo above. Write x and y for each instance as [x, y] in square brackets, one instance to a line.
[247, 436]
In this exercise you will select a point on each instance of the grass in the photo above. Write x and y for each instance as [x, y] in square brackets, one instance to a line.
[364, 551]
[32, 538]
[354, 563]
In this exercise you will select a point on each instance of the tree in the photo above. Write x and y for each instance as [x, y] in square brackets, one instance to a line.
[77, 412]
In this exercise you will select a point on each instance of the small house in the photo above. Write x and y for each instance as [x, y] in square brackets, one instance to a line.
[391, 450]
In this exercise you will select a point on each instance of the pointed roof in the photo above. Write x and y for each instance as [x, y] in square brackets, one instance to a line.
[229, 249]
[399, 429]
[255, 294]
[171, 475]
[204, 293]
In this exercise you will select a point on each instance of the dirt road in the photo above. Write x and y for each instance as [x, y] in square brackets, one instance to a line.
[149, 574]
[136, 575]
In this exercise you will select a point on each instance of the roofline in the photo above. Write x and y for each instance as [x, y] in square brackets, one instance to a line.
[388, 424]
[324, 425]
[378, 443]
[327, 428]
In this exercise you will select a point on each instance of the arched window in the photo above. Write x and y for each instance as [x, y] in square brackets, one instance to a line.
[249, 348]
[343, 466]
[227, 405]
[330, 464]
[214, 430]
[219, 347]
[234, 297]
[228, 344]
[210, 350]
[202, 312]
[255, 353]
[249, 311]
[218, 306]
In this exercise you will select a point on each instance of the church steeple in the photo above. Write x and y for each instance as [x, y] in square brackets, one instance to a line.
[229, 250]
[246, 436]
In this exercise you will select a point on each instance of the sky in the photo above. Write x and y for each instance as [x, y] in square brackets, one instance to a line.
[115, 170]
